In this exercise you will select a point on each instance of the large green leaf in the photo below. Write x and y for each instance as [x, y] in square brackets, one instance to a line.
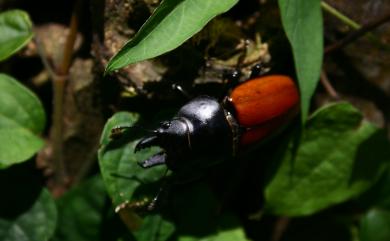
[302, 22]
[375, 226]
[81, 212]
[22, 118]
[173, 22]
[126, 181]
[118, 162]
[339, 157]
[36, 224]
[15, 32]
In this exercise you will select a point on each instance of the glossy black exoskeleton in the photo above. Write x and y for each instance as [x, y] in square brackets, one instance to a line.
[201, 127]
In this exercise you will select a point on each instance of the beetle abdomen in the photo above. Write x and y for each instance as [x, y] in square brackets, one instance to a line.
[264, 104]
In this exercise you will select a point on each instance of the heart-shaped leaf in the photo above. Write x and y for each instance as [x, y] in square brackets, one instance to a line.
[22, 118]
[302, 22]
[339, 157]
[127, 182]
[172, 23]
[118, 162]
[15, 32]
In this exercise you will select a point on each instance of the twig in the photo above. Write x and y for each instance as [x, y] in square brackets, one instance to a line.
[339, 15]
[328, 86]
[357, 34]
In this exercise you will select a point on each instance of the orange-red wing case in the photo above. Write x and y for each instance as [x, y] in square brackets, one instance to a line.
[264, 104]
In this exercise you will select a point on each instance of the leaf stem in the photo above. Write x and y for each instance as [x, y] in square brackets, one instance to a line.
[339, 15]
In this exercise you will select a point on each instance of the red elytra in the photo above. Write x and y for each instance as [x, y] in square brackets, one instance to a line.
[264, 104]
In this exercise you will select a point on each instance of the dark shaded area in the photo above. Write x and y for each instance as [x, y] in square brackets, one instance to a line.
[321, 228]
[376, 149]
[21, 185]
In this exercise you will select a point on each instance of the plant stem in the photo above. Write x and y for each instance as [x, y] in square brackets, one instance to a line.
[328, 86]
[57, 129]
[358, 33]
[59, 83]
[70, 40]
[339, 15]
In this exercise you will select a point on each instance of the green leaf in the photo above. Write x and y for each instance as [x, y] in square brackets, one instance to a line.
[198, 217]
[154, 228]
[15, 32]
[22, 118]
[302, 22]
[36, 224]
[339, 157]
[118, 162]
[233, 234]
[81, 212]
[173, 22]
[126, 181]
[375, 226]
[228, 229]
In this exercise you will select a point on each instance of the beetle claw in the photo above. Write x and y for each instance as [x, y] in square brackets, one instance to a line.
[146, 142]
[155, 160]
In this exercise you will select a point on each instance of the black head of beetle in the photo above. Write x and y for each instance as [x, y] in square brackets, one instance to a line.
[201, 128]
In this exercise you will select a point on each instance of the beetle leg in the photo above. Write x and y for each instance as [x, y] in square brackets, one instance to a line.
[259, 70]
[231, 77]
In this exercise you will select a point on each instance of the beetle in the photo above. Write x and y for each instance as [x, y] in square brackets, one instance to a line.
[206, 131]
[206, 127]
